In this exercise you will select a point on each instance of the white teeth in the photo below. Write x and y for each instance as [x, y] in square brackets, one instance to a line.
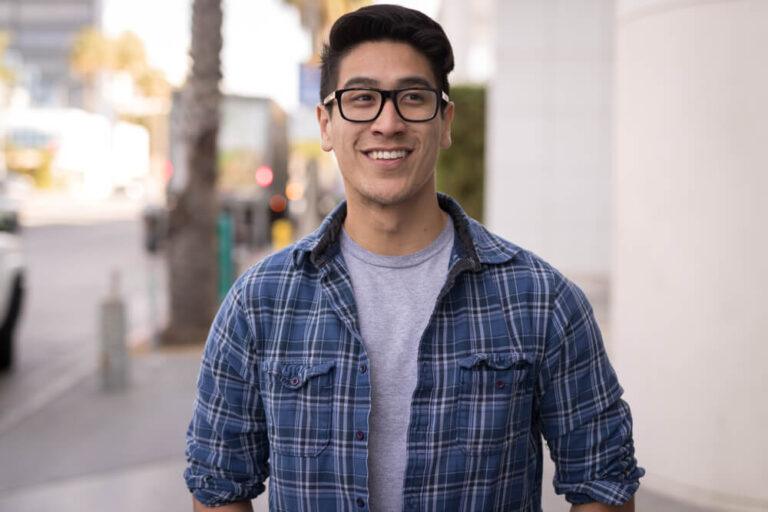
[387, 155]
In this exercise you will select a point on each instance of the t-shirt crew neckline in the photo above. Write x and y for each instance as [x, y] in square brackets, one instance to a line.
[351, 248]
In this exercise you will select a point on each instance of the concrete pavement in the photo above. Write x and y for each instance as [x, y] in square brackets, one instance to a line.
[92, 450]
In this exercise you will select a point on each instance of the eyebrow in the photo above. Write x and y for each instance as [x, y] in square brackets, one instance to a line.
[362, 81]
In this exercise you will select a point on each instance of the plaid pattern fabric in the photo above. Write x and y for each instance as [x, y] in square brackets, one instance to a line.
[511, 355]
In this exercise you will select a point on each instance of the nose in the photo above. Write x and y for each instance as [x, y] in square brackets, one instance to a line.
[389, 121]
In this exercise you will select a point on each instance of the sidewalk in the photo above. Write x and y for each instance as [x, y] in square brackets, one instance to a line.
[92, 450]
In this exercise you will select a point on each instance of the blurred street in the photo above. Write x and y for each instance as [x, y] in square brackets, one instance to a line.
[65, 443]
[71, 247]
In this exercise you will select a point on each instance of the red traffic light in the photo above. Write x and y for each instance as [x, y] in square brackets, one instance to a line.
[278, 203]
[264, 176]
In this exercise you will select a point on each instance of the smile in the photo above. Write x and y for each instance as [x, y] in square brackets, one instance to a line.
[387, 155]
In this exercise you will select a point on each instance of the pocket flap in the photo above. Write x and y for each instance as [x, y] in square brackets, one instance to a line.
[296, 375]
[494, 361]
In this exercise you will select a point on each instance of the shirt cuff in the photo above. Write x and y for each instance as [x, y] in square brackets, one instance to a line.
[215, 492]
[610, 492]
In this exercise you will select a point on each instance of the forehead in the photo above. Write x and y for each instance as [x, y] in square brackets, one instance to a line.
[385, 64]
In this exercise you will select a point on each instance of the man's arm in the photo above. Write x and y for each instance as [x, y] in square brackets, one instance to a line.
[227, 443]
[602, 507]
[587, 426]
[240, 506]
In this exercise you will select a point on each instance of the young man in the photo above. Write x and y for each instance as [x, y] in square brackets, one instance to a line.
[403, 358]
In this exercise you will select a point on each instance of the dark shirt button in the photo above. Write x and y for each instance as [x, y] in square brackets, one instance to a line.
[360, 502]
[363, 368]
[500, 384]
[294, 381]
[359, 435]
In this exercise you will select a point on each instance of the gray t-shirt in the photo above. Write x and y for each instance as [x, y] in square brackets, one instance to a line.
[395, 297]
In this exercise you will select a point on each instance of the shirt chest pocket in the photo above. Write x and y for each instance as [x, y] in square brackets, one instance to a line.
[298, 405]
[494, 407]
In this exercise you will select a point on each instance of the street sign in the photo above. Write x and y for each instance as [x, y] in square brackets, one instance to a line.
[309, 84]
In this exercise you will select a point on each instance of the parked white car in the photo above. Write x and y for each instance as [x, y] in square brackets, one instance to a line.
[11, 278]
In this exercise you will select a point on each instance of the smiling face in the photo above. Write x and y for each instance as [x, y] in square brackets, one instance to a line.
[387, 161]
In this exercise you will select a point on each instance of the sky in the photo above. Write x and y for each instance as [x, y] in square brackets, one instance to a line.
[264, 42]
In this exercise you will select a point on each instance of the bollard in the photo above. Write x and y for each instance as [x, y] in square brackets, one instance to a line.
[114, 354]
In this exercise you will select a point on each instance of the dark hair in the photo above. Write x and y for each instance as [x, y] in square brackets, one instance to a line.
[386, 23]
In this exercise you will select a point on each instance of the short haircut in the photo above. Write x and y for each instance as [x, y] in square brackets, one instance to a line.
[386, 23]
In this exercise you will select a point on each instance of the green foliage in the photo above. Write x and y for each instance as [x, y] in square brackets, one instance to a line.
[151, 83]
[94, 53]
[461, 168]
[128, 53]
[90, 53]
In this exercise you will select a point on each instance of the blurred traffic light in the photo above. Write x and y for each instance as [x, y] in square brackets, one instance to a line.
[278, 203]
[294, 191]
[264, 176]
[168, 171]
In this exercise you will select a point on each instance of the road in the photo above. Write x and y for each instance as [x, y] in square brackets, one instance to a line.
[67, 277]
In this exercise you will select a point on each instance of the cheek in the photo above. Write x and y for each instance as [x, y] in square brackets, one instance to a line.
[445, 139]
[343, 140]
[432, 146]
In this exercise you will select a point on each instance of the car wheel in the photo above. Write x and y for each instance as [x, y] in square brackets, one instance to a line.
[9, 324]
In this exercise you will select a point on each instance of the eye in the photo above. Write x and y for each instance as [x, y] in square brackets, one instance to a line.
[414, 97]
[360, 97]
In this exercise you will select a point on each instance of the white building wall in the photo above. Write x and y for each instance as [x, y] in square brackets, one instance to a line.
[549, 132]
[690, 260]
[470, 28]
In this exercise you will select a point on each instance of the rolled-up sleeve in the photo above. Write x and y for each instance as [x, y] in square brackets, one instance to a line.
[587, 425]
[227, 447]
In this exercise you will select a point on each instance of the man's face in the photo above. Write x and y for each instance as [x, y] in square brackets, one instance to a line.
[386, 161]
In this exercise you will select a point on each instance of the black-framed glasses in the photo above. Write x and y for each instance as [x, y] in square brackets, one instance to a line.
[364, 104]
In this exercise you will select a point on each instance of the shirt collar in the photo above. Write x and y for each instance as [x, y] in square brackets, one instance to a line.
[474, 243]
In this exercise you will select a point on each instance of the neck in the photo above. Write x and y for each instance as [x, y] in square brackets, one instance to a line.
[395, 230]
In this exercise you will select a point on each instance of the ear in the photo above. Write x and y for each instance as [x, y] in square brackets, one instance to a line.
[324, 120]
[445, 138]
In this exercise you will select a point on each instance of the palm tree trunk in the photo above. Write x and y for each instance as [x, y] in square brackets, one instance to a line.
[192, 241]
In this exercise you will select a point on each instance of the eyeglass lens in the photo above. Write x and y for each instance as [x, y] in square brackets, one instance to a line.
[413, 104]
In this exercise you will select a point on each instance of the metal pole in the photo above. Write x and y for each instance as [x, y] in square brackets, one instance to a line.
[225, 253]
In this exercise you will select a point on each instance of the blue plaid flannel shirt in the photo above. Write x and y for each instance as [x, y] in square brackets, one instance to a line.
[511, 354]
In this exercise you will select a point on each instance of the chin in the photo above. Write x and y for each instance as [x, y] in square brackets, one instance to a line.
[388, 192]
[381, 198]
[393, 199]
